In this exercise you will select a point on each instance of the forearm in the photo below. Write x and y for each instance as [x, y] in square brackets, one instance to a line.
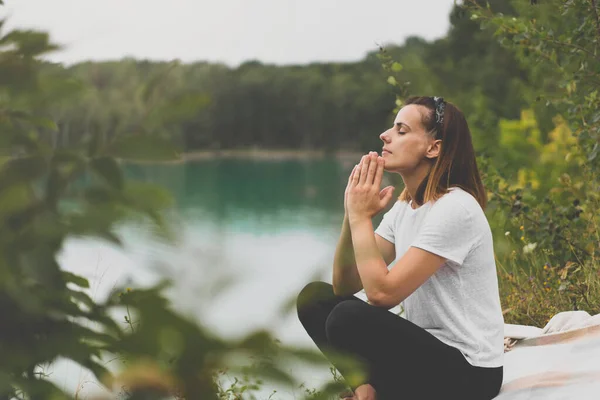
[371, 266]
[346, 280]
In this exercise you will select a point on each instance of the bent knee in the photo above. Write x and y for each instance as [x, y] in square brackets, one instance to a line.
[342, 318]
[311, 294]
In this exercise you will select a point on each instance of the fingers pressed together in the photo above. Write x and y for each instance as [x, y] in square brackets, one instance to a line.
[369, 171]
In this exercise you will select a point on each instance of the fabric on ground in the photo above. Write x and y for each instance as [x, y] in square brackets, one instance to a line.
[560, 361]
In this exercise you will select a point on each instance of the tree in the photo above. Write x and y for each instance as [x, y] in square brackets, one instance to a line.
[47, 312]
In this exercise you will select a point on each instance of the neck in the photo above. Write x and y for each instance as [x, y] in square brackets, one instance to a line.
[413, 179]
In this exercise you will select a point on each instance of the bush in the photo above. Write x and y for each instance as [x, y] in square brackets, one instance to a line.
[550, 211]
[49, 194]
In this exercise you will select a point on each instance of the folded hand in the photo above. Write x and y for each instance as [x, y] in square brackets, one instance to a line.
[363, 198]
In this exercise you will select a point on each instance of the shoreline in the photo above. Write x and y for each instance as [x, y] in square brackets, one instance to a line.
[264, 155]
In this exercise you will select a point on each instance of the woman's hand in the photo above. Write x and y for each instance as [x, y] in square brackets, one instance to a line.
[348, 186]
[363, 199]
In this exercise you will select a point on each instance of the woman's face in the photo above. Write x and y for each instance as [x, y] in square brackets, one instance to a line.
[406, 145]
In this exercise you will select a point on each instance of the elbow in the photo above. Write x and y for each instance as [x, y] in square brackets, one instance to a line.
[379, 299]
[384, 300]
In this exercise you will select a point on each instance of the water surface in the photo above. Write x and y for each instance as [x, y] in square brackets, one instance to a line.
[265, 227]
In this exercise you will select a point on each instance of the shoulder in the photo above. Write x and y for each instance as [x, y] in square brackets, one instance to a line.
[397, 207]
[458, 200]
[460, 207]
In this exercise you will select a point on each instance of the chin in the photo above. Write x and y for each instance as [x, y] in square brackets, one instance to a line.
[390, 160]
[391, 167]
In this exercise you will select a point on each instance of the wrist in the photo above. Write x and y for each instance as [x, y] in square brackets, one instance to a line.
[358, 220]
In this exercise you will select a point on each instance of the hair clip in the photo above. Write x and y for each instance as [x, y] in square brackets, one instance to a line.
[440, 106]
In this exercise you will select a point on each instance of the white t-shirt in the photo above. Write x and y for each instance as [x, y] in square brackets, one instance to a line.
[460, 303]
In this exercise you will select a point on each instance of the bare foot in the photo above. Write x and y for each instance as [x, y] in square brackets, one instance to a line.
[365, 392]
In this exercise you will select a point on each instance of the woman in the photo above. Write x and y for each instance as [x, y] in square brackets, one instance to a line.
[432, 252]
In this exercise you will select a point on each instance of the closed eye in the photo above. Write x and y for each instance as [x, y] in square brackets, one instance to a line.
[401, 133]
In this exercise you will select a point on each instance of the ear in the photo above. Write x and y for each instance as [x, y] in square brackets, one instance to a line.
[434, 149]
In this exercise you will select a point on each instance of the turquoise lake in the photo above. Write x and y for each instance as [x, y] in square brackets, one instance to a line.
[251, 234]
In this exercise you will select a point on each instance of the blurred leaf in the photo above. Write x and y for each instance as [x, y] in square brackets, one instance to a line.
[30, 43]
[260, 340]
[162, 227]
[97, 219]
[81, 297]
[23, 169]
[111, 237]
[27, 142]
[65, 166]
[107, 322]
[6, 383]
[147, 196]
[272, 373]
[75, 279]
[219, 284]
[45, 123]
[143, 148]
[310, 356]
[16, 198]
[146, 299]
[68, 157]
[96, 340]
[55, 186]
[108, 169]
[100, 372]
[396, 67]
[40, 389]
[100, 195]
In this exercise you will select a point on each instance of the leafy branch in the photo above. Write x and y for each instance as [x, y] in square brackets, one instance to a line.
[595, 11]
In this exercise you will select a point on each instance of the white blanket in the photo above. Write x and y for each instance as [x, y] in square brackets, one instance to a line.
[560, 361]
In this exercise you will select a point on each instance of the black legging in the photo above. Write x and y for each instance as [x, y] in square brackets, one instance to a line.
[402, 360]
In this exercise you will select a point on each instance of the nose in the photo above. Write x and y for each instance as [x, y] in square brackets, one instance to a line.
[384, 136]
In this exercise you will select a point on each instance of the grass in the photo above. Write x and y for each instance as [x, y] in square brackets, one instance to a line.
[533, 288]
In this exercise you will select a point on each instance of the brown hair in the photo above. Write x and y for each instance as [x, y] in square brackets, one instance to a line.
[456, 165]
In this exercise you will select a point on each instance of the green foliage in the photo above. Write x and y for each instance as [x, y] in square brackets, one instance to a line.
[50, 191]
[555, 196]
[393, 68]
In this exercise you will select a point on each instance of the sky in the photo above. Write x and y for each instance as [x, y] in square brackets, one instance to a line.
[227, 31]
